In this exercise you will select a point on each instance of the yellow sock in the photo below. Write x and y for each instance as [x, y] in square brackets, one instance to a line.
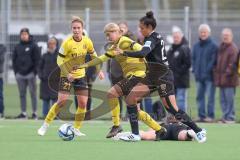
[79, 117]
[52, 113]
[115, 110]
[147, 119]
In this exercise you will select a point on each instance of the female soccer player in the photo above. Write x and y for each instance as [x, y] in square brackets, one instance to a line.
[176, 131]
[72, 53]
[134, 71]
[154, 52]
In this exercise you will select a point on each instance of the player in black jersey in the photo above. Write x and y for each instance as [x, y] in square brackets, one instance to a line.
[176, 131]
[159, 75]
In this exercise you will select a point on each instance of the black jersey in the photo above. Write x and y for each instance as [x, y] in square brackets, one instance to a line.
[159, 76]
[173, 129]
[153, 50]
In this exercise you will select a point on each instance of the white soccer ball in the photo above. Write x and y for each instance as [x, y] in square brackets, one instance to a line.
[65, 132]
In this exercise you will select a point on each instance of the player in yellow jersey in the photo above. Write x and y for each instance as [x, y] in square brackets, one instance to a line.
[134, 71]
[72, 53]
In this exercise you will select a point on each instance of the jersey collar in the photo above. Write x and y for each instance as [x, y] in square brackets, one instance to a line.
[151, 33]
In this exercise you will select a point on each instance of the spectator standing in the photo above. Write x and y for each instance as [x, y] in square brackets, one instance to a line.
[203, 59]
[2, 54]
[125, 31]
[226, 76]
[48, 64]
[25, 62]
[179, 58]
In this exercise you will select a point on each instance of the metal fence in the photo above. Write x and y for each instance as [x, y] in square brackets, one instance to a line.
[44, 23]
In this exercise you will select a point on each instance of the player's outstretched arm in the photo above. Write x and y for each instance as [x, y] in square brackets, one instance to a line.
[95, 61]
[138, 54]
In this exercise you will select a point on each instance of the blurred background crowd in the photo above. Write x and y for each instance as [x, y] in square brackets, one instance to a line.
[202, 43]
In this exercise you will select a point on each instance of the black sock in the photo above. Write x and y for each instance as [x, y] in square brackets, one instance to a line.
[133, 118]
[185, 119]
[189, 137]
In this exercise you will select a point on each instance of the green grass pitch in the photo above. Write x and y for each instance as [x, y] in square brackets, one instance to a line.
[19, 141]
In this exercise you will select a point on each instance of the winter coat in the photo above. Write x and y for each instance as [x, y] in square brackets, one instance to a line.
[2, 54]
[203, 59]
[25, 58]
[225, 71]
[91, 72]
[179, 59]
[49, 74]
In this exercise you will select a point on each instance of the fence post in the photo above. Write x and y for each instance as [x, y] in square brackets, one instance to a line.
[6, 18]
[47, 16]
[87, 20]
[107, 6]
[186, 22]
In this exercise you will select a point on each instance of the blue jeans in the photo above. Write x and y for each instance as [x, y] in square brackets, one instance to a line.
[148, 105]
[46, 104]
[181, 97]
[1, 97]
[227, 103]
[206, 88]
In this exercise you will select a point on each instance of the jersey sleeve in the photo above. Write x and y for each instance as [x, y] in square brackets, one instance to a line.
[150, 43]
[63, 49]
[136, 46]
[148, 46]
[90, 48]
[110, 54]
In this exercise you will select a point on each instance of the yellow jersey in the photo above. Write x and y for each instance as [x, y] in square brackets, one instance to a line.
[130, 65]
[72, 54]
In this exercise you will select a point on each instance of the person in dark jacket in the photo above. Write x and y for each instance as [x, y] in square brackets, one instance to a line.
[48, 64]
[226, 76]
[25, 60]
[2, 54]
[203, 59]
[179, 59]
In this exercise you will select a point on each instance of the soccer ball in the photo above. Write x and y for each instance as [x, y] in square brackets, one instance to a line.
[65, 132]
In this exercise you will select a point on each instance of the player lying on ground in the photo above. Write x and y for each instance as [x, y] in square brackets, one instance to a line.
[176, 131]
[72, 52]
[154, 52]
[134, 71]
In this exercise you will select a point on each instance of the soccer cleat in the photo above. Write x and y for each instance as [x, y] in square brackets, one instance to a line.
[114, 131]
[21, 116]
[1, 116]
[117, 137]
[130, 138]
[161, 133]
[43, 129]
[34, 116]
[77, 132]
[201, 136]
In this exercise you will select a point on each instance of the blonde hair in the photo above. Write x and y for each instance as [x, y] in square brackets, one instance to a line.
[110, 27]
[77, 19]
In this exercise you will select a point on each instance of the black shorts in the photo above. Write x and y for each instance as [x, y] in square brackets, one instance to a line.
[77, 84]
[127, 84]
[164, 84]
[173, 129]
[115, 80]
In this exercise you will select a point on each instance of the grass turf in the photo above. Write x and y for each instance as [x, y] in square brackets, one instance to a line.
[12, 102]
[19, 141]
